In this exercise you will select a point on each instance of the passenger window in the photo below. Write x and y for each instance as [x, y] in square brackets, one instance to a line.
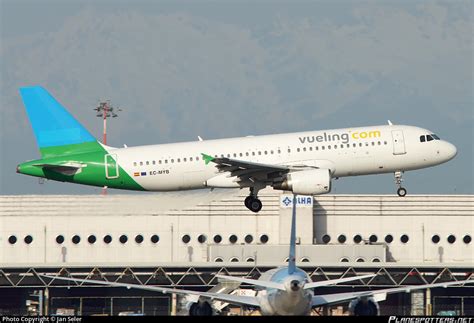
[360, 144]
[329, 146]
[141, 163]
[271, 152]
[197, 158]
[134, 163]
[240, 154]
[166, 161]
[354, 144]
[190, 158]
[310, 148]
[147, 162]
[235, 155]
[342, 146]
[304, 148]
[266, 152]
[228, 155]
[317, 148]
[367, 144]
[379, 143]
[422, 138]
[172, 160]
[246, 154]
[180, 160]
[322, 147]
[335, 146]
[289, 150]
[153, 162]
[298, 150]
[184, 159]
[373, 143]
[253, 153]
[259, 153]
[384, 142]
[159, 162]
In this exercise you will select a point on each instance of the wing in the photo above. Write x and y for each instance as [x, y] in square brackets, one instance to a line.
[379, 295]
[246, 170]
[260, 283]
[234, 299]
[335, 281]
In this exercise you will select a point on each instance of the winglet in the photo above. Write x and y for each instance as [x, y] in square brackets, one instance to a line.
[207, 158]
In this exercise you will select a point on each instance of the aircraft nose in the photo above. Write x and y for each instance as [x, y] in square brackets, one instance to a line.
[450, 150]
[295, 285]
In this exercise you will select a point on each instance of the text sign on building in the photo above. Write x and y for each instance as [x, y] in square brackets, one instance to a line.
[286, 201]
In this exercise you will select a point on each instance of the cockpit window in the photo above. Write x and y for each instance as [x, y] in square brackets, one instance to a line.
[429, 138]
[435, 136]
[422, 138]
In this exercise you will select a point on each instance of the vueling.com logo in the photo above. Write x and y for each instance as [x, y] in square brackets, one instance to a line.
[343, 137]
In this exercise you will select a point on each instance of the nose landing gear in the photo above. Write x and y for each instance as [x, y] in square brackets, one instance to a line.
[401, 191]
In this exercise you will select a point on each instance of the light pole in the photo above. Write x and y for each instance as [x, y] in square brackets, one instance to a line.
[105, 110]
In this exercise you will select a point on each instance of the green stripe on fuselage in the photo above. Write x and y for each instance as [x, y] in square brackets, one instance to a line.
[90, 155]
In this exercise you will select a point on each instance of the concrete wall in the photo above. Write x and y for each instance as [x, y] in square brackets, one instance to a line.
[171, 216]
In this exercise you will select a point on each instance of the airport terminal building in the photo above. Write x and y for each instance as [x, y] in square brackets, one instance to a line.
[182, 240]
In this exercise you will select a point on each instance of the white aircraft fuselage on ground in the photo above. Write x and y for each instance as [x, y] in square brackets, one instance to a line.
[303, 162]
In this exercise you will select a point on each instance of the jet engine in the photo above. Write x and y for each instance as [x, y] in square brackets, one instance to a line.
[306, 182]
[366, 306]
[201, 308]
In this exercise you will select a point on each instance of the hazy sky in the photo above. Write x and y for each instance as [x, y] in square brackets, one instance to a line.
[220, 69]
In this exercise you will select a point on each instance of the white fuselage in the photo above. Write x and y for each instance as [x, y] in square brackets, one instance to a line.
[285, 302]
[346, 152]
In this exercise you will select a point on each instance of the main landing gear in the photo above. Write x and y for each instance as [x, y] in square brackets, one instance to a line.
[252, 202]
[401, 191]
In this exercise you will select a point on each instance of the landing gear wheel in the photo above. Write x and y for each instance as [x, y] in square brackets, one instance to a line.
[402, 192]
[254, 205]
[247, 201]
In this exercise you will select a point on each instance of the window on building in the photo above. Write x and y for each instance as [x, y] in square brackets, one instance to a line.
[12, 239]
[107, 239]
[467, 239]
[202, 238]
[123, 239]
[451, 239]
[138, 238]
[404, 238]
[357, 238]
[155, 238]
[59, 239]
[388, 238]
[91, 239]
[186, 238]
[233, 239]
[248, 238]
[326, 238]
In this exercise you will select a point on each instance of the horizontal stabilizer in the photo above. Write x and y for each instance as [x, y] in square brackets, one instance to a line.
[65, 169]
[336, 281]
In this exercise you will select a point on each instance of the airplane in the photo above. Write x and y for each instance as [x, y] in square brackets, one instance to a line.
[286, 290]
[304, 162]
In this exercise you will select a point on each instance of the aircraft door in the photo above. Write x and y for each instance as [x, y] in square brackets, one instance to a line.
[398, 142]
[111, 166]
